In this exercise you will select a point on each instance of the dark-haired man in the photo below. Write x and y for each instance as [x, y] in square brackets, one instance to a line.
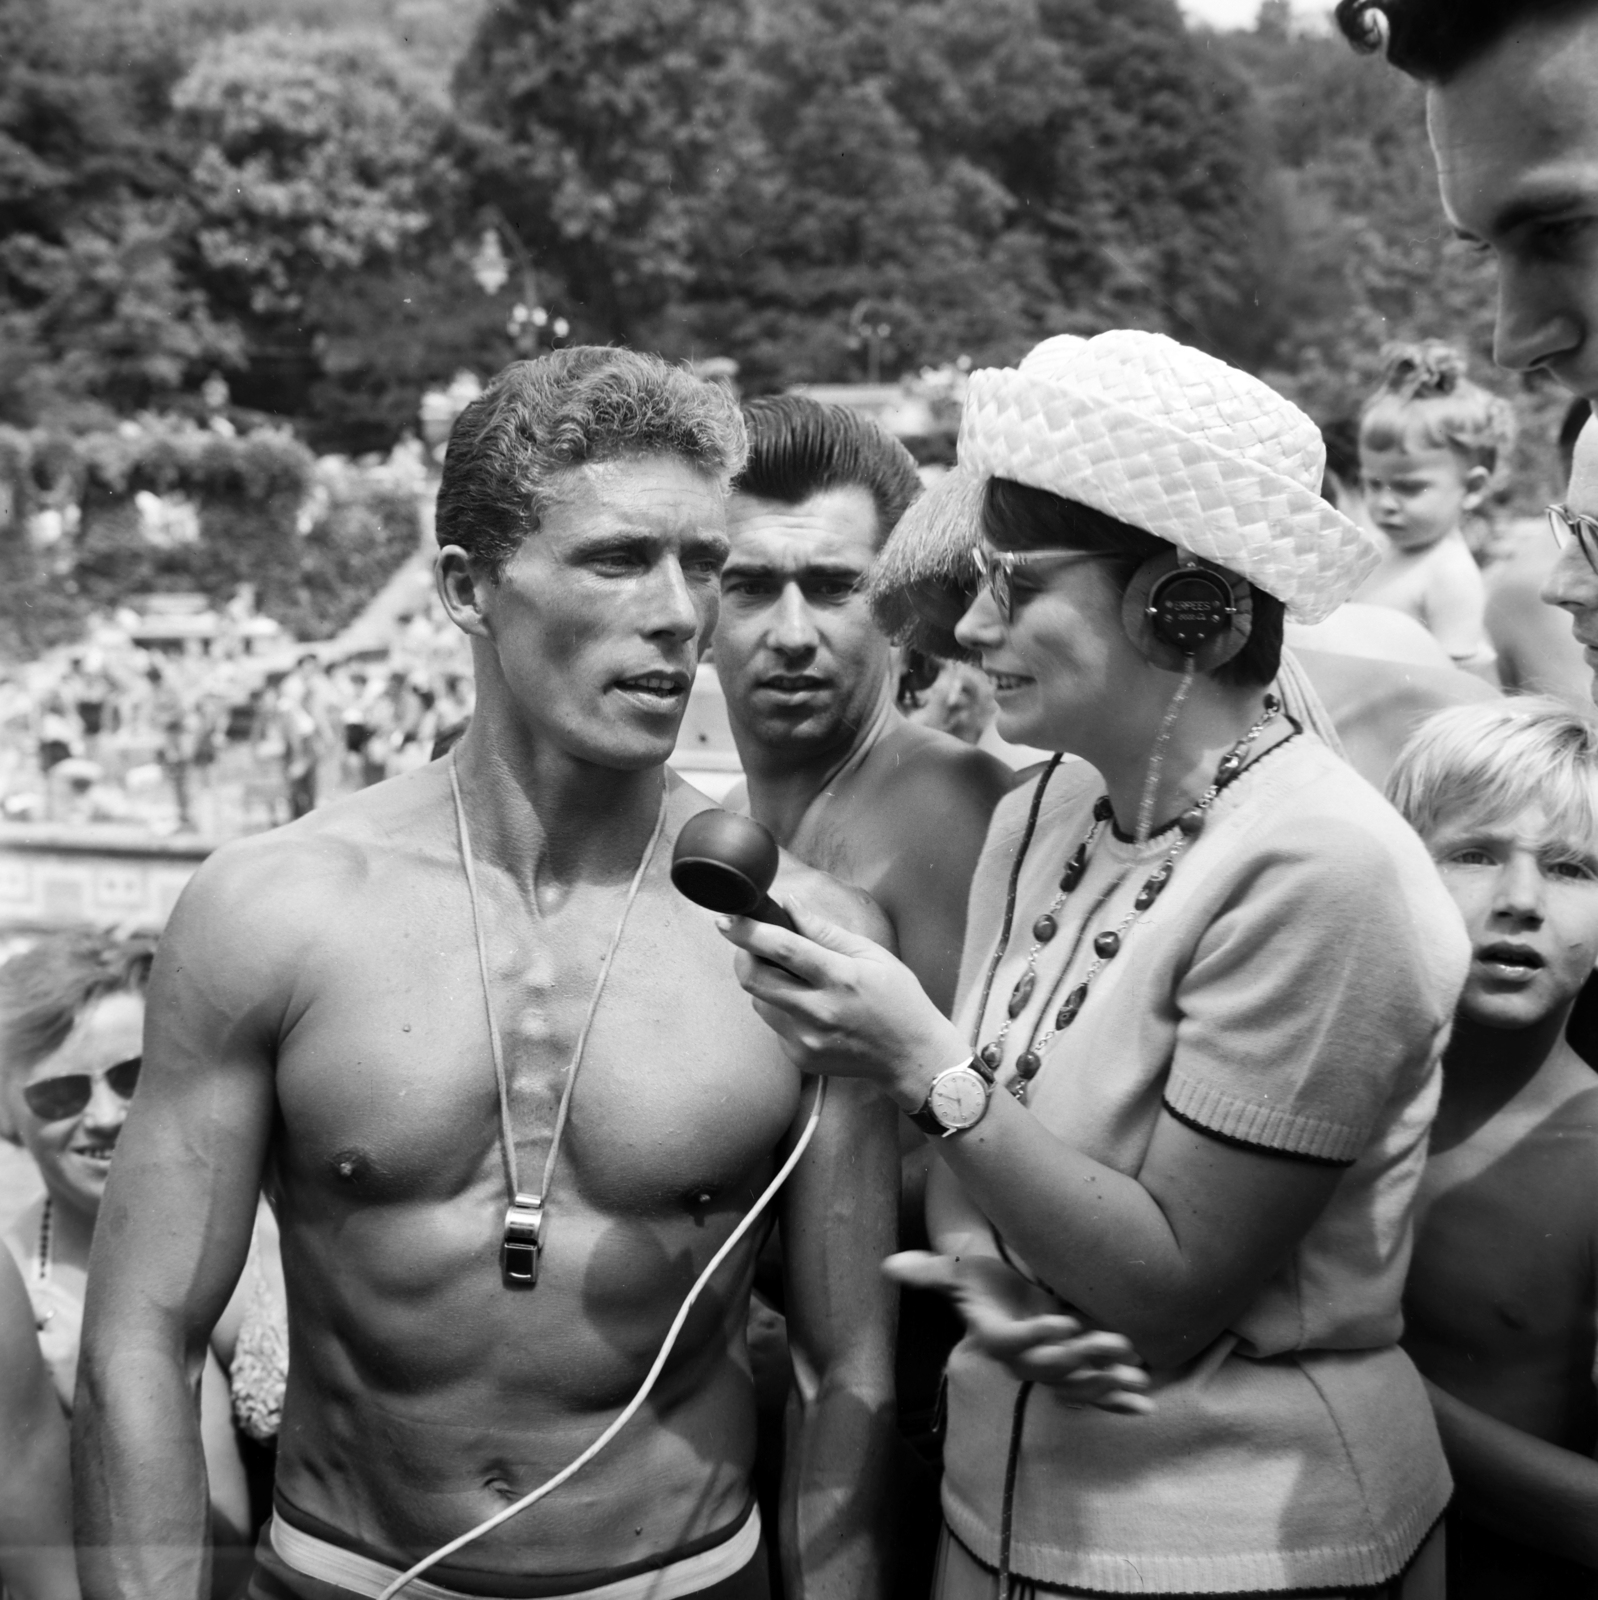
[845, 781]
[511, 1099]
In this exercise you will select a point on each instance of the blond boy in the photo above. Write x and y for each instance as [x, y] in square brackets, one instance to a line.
[1500, 1305]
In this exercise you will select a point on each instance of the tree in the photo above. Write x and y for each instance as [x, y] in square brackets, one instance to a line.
[1368, 256]
[98, 309]
[984, 172]
[317, 161]
[596, 129]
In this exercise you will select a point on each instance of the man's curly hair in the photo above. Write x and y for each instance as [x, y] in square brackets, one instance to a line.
[1432, 40]
[541, 418]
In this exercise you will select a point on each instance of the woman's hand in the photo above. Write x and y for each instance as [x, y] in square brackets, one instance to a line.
[844, 1006]
[1021, 1326]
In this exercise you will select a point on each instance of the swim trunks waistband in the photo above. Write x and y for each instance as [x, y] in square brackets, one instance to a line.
[672, 1577]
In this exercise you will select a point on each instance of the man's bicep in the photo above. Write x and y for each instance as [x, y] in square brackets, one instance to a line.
[928, 884]
[180, 1204]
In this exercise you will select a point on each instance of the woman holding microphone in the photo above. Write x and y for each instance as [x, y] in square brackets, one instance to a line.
[1207, 980]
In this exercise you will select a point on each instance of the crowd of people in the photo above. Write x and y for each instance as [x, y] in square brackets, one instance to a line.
[220, 740]
[1168, 1169]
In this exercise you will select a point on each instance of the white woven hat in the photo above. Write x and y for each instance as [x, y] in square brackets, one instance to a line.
[1173, 441]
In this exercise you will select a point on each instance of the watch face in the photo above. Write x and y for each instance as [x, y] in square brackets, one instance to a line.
[959, 1098]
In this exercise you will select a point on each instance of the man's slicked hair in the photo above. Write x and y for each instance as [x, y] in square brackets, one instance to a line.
[799, 447]
[539, 419]
[1432, 40]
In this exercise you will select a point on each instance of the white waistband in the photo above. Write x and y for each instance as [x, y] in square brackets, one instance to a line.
[316, 1558]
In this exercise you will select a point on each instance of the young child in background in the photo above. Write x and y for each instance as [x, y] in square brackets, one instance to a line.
[1429, 444]
[1499, 1310]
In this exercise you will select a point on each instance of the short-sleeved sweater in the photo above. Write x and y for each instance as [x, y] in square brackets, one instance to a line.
[1291, 990]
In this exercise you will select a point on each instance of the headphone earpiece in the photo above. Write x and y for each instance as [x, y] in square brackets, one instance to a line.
[1178, 610]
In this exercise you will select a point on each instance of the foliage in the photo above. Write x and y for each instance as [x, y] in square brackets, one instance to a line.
[366, 527]
[316, 539]
[595, 127]
[292, 192]
[1368, 255]
[97, 313]
[312, 154]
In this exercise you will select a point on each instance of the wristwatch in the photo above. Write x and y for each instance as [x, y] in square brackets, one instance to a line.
[957, 1099]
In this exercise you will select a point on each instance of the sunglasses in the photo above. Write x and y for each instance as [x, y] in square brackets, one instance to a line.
[1567, 525]
[996, 570]
[56, 1099]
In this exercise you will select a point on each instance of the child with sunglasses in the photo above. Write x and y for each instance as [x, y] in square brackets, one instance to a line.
[71, 1037]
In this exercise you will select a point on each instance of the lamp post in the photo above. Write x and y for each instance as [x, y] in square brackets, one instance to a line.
[492, 270]
[869, 327]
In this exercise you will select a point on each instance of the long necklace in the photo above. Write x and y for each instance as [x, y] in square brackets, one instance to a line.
[44, 1255]
[523, 1239]
[1106, 945]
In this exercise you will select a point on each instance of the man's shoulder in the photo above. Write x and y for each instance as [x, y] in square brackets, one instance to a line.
[929, 766]
[286, 878]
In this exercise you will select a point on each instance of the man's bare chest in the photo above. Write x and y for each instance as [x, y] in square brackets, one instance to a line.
[387, 1088]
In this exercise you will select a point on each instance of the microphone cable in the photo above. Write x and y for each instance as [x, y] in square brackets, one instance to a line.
[630, 1410]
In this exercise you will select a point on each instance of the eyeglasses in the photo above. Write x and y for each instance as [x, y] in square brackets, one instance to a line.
[56, 1099]
[996, 570]
[1567, 525]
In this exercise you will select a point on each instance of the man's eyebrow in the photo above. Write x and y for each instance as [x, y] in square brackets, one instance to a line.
[1535, 207]
[805, 569]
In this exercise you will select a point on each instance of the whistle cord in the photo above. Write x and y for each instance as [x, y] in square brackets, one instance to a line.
[507, 1133]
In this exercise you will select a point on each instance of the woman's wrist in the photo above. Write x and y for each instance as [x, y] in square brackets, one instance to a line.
[936, 1053]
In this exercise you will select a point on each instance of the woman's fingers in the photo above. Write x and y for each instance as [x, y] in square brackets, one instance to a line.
[1096, 1368]
[1004, 1337]
[785, 965]
[922, 1269]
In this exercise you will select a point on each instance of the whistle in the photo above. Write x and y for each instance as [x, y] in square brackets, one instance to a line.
[519, 1249]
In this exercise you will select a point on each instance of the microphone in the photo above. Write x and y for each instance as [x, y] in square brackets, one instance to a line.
[726, 863]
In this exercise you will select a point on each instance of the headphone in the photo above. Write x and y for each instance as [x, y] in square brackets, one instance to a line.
[1182, 612]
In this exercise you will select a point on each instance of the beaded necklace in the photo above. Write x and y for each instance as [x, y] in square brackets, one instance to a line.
[1106, 945]
[44, 1255]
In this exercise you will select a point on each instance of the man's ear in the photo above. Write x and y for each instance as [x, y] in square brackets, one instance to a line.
[1477, 482]
[461, 587]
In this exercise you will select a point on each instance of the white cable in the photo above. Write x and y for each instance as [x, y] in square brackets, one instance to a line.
[633, 1405]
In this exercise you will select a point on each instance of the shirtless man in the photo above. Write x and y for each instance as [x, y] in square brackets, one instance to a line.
[849, 784]
[833, 769]
[1502, 1299]
[324, 1009]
